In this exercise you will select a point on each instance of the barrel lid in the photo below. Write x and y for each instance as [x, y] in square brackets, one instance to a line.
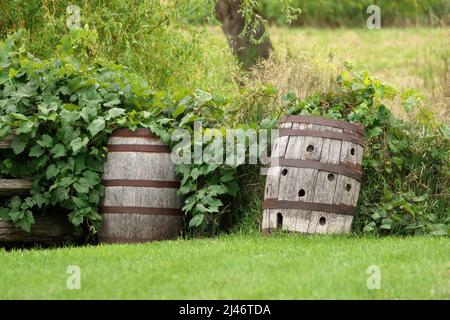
[341, 124]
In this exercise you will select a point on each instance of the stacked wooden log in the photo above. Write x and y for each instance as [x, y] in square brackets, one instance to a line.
[48, 229]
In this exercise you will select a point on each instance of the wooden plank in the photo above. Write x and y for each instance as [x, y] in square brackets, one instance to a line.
[118, 227]
[142, 197]
[325, 186]
[274, 172]
[47, 229]
[14, 186]
[139, 166]
[5, 143]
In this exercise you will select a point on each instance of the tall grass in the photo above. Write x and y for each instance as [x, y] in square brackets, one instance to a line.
[352, 13]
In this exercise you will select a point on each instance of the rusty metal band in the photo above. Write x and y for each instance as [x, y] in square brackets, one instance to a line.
[348, 170]
[147, 148]
[141, 183]
[309, 206]
[127, 133]
[357, 139]
[324, 122]
[141, 210]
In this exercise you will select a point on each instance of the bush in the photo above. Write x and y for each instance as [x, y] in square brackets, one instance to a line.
[152, 38]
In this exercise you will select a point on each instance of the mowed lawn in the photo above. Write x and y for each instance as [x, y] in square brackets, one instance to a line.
[235, 267]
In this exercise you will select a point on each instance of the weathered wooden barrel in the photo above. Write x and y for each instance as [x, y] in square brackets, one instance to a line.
[141, 202]
[313, 182]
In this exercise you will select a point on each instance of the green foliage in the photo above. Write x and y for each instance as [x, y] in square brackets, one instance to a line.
[405, 187]
[254, 21]
[62, 111]
[352, 13]
[153, 38]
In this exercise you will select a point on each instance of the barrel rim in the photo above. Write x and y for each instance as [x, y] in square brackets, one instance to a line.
[127, 133]
[341, 124]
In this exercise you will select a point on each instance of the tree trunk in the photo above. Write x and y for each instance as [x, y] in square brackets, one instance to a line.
[233, 23]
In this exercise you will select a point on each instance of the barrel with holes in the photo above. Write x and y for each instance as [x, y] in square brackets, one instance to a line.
[314, 178]
[141, 202]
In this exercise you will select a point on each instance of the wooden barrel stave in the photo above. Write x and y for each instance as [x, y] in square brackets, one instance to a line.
[141, 201]
[123, 228]
[157, 166]
[142, 197]
[314, 182]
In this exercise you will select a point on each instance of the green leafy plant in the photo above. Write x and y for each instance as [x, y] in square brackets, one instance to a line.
[61, 112]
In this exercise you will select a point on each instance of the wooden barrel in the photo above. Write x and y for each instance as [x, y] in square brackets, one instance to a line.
[313, 182]
[141, 202]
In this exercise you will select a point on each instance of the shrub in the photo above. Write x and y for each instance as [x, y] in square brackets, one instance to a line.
[152, 38]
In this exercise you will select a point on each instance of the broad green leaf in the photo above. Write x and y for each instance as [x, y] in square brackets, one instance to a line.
[78, 144]
[196, 220]
[51, 171]
[59, 150]
[179, 110]
[46, 141]
[96, 126]
[374, 132]
[4, 131]
[25, 127]
[18, 146]
[115, 112]
[113, 102]
[88, 113]
[26, 221]
[36, 151]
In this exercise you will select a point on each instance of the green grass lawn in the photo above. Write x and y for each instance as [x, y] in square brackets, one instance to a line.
[235, 267]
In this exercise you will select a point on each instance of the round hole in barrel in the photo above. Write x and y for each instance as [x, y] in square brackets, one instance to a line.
[348, 187]
[310, 148]
[301, 193]
[352, 151]
[279, 220]
[284, 172]
[330, 177]
[322, 221]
